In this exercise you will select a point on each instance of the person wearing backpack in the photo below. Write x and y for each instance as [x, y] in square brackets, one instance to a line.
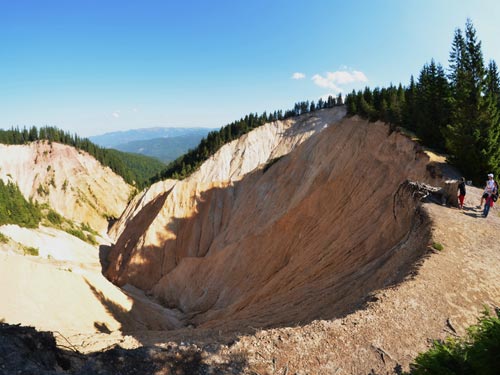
[492, 197]
[488, 189]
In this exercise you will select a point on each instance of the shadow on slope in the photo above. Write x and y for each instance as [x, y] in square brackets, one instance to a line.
[285, 247]
[23, 350]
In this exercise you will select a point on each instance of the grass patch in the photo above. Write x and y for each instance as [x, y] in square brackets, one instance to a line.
[33, 251]
[476, 353]
[91, 239]
[3, 238]
[84, 231]
[437, 246]
[54, 217]
[77, 233]
[81, 234]
[87, 228]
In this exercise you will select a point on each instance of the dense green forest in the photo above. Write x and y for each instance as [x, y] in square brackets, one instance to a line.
[135, 169]
[189, 162]
[165, 149]
[456, 112]
[15, 209]
[142, 166]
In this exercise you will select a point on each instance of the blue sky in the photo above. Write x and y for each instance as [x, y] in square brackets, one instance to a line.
[94, 66]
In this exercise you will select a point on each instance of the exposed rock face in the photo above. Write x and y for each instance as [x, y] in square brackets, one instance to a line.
[71, 181]
[243, 155]
[308, 237]
[267, 142]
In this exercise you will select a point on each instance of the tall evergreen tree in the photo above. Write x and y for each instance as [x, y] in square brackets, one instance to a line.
[493, 81]
[410, 106]
[471, 132]
[432, 100]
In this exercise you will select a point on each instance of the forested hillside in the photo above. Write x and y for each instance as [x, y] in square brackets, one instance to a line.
[166, 149]
[457, 112]
[135, 169]
[142, 166]
[189, 162]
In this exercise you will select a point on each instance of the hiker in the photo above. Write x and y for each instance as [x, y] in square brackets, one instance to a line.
[461, 196]
[488, 203]
[488, 189]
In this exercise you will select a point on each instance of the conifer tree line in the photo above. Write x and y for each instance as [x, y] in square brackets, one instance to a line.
[106, 157]
[189, 162]
[457, 111]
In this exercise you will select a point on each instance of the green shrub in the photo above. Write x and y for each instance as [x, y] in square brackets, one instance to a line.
[42, 190]
[54, 217]
[86, 227]
[15, 209]
[476, 353]
[437, 246]
[3, 238]
[91, 239]
[77, 233]
[28, 250]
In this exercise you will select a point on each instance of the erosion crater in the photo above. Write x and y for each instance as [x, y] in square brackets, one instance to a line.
[306, 235]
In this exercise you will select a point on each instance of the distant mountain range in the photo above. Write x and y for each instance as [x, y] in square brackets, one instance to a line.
[165, 144]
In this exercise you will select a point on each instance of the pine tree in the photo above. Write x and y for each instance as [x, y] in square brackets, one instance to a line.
[340, 100]
[432, 100]
[493, 81]
[472, 135]
[350, 102]
[410, 106]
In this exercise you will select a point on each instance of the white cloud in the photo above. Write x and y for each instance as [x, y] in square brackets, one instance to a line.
[116, 114]
[333, 80]
[298, 75]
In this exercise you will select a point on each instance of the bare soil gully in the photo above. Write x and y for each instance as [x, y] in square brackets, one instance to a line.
[321, 263]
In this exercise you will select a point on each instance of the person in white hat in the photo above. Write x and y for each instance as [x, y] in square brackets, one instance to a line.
[488, 189]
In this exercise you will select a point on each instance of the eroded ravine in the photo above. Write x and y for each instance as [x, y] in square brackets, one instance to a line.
[310, 237]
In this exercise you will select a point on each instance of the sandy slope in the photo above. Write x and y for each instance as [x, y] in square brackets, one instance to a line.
[72, 182]
[63, 289]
